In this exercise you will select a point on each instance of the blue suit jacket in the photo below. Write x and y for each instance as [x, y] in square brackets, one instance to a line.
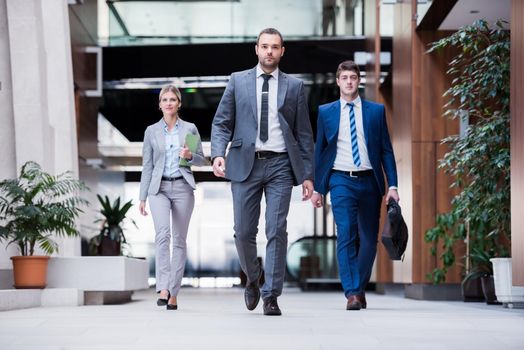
[378, 144]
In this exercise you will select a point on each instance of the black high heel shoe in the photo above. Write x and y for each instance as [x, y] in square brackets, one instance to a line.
[171, 307]
[163, 302]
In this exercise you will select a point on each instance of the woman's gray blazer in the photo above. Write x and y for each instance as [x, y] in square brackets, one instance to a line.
[153, 156]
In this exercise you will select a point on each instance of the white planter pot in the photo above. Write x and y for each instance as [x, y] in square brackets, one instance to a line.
[507, 294]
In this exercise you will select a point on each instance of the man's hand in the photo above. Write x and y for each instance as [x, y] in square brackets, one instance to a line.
[219, 167]
[307, 190]
[316, 200]
[392, 193]
[142, 208]
[185, 153]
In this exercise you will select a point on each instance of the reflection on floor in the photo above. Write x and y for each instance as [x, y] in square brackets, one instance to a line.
[217, 319]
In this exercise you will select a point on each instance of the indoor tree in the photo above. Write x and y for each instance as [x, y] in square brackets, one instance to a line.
[479, 159]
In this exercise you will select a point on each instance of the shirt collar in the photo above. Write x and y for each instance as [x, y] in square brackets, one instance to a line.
[165, 125]
[274, 73]
[356, 101]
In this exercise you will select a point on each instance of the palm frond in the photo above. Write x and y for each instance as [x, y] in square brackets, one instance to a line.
[37, 206]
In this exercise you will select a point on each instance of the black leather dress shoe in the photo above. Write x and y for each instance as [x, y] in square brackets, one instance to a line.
[252, 292]
[363, 301]
[163, 302]
[271, 307]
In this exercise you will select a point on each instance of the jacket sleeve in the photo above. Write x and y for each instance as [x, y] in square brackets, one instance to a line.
[304, 134]
[224, 121]
[147, 165]
[320, 145]
[388, 157]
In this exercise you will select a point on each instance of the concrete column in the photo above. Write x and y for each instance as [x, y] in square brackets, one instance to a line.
[7, 133]
[7, 137]
[36, 100]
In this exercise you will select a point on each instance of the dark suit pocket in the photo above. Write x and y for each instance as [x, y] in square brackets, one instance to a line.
[236, 143]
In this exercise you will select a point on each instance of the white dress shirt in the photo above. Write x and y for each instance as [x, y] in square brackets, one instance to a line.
[275, 141]
[344, 159]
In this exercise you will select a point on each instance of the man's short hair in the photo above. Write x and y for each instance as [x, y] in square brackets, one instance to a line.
[271, 31]
[348, 65]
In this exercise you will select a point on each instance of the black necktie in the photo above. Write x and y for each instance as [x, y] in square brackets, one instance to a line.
[264, 109]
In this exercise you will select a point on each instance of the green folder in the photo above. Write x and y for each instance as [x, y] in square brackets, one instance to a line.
[192, 143]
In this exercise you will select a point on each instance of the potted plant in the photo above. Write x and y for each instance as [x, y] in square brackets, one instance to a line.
[478, 160]
[111, 237]
[34, 208]
[482, 271]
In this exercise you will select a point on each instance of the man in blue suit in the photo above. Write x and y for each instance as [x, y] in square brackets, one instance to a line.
[352, 153]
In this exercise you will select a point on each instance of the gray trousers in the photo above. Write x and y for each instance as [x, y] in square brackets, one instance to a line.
[171, 209]
[274, 178]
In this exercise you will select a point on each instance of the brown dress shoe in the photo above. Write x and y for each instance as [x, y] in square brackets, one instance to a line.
[354, 302]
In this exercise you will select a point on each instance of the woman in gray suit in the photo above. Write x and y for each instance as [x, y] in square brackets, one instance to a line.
[168, 182]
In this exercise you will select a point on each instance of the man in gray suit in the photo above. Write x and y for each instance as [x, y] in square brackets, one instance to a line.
[264, 114]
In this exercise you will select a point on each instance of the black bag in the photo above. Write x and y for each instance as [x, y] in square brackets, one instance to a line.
[395, 232]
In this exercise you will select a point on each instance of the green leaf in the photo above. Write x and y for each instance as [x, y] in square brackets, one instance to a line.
[478, 162]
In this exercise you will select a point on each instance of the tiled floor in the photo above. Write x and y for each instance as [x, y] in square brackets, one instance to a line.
[217, 319]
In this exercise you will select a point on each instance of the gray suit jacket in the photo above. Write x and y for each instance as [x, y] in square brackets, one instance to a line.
[236, 121]
[153, 156]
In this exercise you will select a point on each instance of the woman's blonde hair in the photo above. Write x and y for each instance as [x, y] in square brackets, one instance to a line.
[170, 88]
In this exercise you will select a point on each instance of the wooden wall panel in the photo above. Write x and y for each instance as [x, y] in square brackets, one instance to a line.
[424, 186]
[372, 33]
[383, 265]
[443, 197]
[401, 127]
[419, 80]
[517, 141]
[431, 193]
[430, 82]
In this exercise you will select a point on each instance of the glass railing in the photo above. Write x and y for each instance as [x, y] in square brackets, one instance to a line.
[180, 22]
[313, 260]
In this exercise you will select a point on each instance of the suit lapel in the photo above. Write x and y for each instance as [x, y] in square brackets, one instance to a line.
[181, 132]
[251, 88]
[159, 135]
[366, 121]
[333, 121]
[282, 89]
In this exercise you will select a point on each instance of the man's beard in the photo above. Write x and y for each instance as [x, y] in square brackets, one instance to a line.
[272, 65]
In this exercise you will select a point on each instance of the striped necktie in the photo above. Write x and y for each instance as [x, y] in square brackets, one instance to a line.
[353, 129]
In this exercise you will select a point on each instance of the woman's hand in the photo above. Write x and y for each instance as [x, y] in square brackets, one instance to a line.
[142, 208]
[186, 153]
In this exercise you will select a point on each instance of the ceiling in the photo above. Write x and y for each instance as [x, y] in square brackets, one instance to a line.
[133, 76]
[467, 11]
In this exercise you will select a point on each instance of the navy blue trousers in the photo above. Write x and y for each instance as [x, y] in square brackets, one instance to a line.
[356, 209]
